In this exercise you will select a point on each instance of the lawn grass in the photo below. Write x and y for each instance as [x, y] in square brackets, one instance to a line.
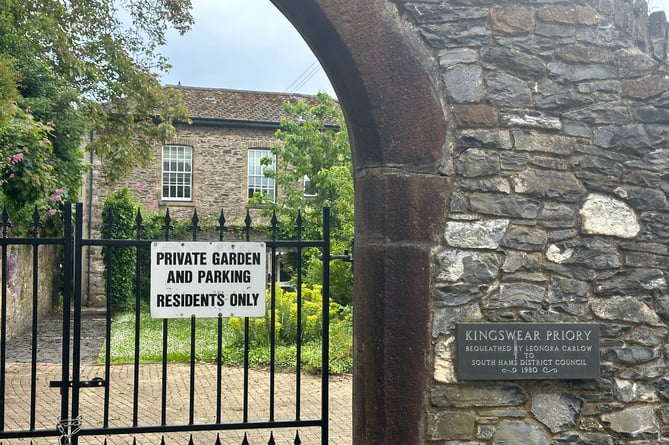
[206, 344]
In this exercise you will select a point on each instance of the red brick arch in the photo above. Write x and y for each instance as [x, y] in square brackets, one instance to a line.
[385, 82]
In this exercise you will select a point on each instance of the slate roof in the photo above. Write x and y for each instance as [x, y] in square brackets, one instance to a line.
[236, 105]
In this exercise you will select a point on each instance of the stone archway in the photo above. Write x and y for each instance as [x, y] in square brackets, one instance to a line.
[386, 85]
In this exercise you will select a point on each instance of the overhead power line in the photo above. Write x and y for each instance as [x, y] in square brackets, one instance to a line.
[311, 74]
[304, 77]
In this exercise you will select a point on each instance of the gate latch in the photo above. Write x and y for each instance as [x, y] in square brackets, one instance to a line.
[97, 382]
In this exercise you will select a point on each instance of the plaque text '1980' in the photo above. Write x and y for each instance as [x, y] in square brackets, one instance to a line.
[527, 351]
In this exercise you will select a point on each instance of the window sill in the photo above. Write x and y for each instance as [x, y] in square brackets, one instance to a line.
[177, 204]
[258, 206]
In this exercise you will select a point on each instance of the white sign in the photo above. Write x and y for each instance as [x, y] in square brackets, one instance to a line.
[206, 279]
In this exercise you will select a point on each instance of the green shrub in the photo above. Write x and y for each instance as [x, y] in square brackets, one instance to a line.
[341, 333]
[285, 320]
[123, 207]
[340, 357]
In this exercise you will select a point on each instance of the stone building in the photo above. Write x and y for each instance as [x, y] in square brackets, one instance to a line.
[511, 165]
[510, 162]
[212, 165]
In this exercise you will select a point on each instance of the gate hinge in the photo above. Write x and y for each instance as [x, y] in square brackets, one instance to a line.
[97, 382]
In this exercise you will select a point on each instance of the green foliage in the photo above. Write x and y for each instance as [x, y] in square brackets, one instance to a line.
[311, 332]
[206, 335]
[54, 158]
[314, 143]
[154, 226]
[127, 136]
[27, 174]
[51, 212]
[83, 67]
[122, 207]
[67, 127]
[8, 91]
[126, 207]
[285, 319]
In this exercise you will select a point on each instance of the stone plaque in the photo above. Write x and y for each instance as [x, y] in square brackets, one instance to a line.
[527, 351]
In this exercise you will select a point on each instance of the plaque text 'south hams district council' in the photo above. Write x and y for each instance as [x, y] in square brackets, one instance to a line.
[527, 351]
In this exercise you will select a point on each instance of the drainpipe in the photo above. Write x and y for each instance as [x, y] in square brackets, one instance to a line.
[89, 223]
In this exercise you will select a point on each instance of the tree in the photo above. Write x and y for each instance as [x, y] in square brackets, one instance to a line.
[315, 148]
[8, 91]
[25, 169]
[84, 66]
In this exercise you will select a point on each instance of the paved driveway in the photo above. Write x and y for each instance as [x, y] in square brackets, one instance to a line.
[120, 407]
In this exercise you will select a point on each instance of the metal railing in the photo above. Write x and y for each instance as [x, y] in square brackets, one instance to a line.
[69, 426]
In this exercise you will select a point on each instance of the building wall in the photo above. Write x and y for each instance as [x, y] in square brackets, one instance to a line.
[510, 165]
[554, 185]
[20, 298]
[219, 183]
[219, 173]
[558, 212]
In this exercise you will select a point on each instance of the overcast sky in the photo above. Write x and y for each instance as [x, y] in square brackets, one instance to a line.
[249, 45]
[246, 45]
[654, 5]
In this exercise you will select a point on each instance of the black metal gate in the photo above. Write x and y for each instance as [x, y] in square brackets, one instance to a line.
[106, 403]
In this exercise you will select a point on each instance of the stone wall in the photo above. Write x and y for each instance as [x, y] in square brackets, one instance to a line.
[219, 172]
[559, 211]
[219, 183]
[20, 285]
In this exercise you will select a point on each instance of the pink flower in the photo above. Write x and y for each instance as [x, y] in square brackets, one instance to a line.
[11, 175]
[60, 191]
[55, 198]
[52, 211]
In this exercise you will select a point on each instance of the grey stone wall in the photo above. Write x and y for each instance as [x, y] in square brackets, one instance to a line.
[19, 301]
[219, 172]
[559, 211]
[219, 183]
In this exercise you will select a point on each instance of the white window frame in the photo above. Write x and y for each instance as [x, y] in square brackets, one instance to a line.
[177, 173]
[256, 179]
[309, 190]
